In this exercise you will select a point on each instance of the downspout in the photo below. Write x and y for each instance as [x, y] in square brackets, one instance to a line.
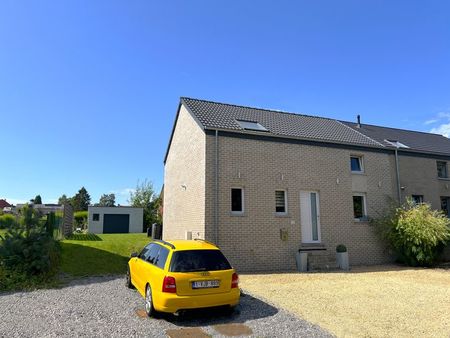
[216, 189]
[399, 194]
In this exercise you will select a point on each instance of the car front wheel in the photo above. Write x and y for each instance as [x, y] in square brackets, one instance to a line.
[149, 309]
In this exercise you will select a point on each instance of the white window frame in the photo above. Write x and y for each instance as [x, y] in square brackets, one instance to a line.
[238, 213]
[285, 203]
[364, 196]
[361, 164]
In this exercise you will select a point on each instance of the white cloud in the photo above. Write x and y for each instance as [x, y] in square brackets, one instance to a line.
[443, 115]
[443, 129]
[123, 192]
[431, 121]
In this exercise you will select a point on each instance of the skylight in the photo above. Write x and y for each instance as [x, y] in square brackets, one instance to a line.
[251, 125]
[396, 144]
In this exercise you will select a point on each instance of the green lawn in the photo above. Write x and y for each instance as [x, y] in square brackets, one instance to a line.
[90, 255]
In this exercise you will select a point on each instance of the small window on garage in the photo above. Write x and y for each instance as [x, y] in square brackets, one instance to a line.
[280, 202]
[237, 200]
[96, 217]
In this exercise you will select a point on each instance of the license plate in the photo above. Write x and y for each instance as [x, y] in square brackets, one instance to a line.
[205, 284]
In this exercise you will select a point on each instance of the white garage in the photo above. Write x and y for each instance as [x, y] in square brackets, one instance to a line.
[113, 220]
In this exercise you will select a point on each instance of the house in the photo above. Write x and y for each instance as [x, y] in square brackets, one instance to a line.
[119, 219]
[4, 204]
[45, 209]
[263, 184]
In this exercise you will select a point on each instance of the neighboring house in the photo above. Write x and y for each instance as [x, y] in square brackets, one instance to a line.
[43, 208]
[110, 220]
[263, 184]
[4, 204]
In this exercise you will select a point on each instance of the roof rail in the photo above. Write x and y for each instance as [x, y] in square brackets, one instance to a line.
[165, 243]
[204, 240]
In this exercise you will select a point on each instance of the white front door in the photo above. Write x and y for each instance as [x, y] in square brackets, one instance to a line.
[310, 216]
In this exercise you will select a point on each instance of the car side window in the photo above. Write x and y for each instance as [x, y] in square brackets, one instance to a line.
[144, 253]
[162, 257]
[153, 253]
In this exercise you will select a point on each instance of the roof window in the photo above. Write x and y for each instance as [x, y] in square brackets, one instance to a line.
[251, 125]
[396, 144]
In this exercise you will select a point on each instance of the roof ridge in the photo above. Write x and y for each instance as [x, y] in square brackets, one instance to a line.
[353, 129]
[408, 130]
[258, 108]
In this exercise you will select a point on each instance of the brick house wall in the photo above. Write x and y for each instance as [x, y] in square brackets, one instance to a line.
[184, 180]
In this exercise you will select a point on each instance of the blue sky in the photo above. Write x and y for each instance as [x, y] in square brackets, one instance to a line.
[89, 89]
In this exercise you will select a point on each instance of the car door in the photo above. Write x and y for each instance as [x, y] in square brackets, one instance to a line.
[137, 269]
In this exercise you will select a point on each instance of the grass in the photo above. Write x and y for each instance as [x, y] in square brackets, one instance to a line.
[102, 254]
[377, 302]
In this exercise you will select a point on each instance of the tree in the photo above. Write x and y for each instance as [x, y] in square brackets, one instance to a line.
[37, 200]
[81, 200]
[63, 200]
[107, 200]
[144, 197]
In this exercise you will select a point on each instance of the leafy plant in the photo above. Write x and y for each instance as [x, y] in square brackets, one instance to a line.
[415, 232]
[6, 221]
[145, 197]
[80, 218]
[341, 248]
[28, 252]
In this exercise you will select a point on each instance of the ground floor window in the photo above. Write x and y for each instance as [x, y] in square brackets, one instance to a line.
[359, 207]
[95, 217]
[280, 202]
[445, 204]
[417, 199]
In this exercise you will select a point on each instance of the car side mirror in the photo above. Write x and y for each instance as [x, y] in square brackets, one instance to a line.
[134, 254]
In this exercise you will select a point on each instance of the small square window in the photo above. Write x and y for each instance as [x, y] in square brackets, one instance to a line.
[417, 199]
[280, 202]
[359, 207]
[356, 163]
[237, 200]
[442, 169]
[95, 217]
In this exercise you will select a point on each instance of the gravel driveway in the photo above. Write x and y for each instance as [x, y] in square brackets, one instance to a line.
[103, 306]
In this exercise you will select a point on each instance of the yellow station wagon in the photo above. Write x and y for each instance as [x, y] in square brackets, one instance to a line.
[184, 274]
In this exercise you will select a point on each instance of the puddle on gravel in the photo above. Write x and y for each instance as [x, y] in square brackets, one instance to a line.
[232, 330]
[187, 333]
[141, 313]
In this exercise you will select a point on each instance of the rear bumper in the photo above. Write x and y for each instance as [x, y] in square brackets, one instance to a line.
[172, 303]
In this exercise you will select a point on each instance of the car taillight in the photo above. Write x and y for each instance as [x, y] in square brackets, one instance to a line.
[234, 280]
[169, 285]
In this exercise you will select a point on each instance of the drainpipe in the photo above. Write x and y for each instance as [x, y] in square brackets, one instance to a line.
[216, 189]
[399, 193]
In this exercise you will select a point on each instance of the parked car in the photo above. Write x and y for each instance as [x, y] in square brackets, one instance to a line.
[185, 274]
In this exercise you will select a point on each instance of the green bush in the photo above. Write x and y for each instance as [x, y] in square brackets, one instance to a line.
[415, 232]
[28, 252]
[6, 221]
[80, 218]
[341, 248]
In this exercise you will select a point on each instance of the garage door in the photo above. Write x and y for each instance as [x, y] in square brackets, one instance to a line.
[116, 223]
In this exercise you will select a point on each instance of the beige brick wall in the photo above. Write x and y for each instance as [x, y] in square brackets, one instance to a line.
[252, 241]
[184, 180]
[418, 176]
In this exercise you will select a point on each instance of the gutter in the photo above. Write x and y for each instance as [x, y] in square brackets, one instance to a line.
[399, 191]
[216, 189]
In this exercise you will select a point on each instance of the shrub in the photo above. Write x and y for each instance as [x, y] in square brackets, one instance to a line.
[7, 221]
[28, 252]
[341, 248]
[80, 218]
[415, 232]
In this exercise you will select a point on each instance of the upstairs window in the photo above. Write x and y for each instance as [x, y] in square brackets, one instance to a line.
[356, 163]
[251, 125]
[442, 169]
[280, 202]
[237, 200]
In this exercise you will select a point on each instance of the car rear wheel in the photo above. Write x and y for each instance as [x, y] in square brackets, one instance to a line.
[149, 309]
[128, 282]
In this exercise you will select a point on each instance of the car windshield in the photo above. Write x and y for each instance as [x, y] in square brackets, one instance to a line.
[198, 260]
